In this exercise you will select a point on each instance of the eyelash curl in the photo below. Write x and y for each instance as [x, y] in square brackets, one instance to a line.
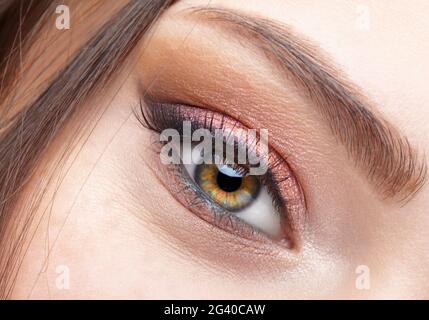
[282, 185]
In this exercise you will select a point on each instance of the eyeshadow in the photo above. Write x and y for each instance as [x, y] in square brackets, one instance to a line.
[286, 193]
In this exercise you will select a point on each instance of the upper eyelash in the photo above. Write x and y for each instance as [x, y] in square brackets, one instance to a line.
[288, 198]
[174, 118]
[160, 120]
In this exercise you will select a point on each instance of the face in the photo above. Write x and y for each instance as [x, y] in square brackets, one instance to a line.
[335, 215]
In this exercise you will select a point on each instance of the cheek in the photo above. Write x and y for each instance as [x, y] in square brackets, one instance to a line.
[98, 239]
[110, 249]
[101, 247]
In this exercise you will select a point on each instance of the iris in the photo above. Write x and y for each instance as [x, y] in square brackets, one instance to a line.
[228, 187]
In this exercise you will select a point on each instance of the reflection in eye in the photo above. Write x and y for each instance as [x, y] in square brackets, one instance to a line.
[225, 194]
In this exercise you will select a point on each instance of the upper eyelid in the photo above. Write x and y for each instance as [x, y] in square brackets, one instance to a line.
[288, 194]
[217, 120]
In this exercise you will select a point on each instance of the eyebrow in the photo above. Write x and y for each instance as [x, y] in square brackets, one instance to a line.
[392, 165]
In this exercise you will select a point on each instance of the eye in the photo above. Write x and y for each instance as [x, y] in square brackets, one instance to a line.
[219, 189]
[234, 190]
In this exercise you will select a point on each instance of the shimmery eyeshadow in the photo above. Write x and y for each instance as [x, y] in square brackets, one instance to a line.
[282, 185]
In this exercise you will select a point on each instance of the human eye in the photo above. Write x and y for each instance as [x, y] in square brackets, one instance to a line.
[255, 196]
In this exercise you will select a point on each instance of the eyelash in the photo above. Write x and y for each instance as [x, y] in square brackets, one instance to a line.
[287, 200]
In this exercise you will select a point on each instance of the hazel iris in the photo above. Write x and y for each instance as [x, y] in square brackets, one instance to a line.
[227, 187]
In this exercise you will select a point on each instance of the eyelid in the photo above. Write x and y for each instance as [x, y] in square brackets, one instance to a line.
[284, 188]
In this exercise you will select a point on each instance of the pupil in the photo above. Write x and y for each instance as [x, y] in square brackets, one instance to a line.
[228, 183]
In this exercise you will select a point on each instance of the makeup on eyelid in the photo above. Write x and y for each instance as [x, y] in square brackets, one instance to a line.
[215, 146]
[253, 202]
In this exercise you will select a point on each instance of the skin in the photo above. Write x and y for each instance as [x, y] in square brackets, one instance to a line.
[107, 216]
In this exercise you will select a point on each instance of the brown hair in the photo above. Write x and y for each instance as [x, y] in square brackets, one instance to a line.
[26, 134]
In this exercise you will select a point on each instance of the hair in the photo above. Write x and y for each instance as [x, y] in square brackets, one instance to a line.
[26, 134]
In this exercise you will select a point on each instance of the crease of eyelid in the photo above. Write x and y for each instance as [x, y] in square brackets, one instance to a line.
[392, 165]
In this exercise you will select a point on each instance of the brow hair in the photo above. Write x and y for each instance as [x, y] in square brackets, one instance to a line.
[391, 163]
[23, 141]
